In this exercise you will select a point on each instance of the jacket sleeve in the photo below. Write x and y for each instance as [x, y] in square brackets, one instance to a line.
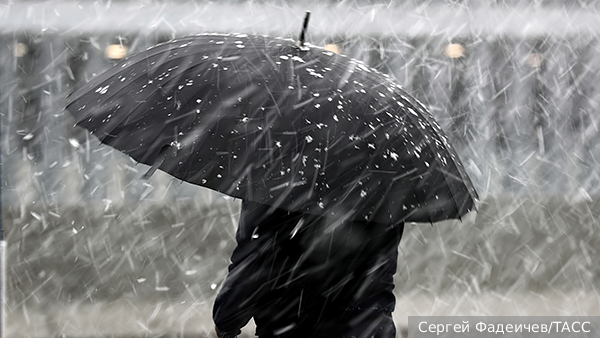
[257, 264]
[239, 296]
[245, 284]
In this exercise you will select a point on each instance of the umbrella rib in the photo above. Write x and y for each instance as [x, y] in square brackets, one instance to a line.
[120, 93]
[103, 78]
[267, 87]
[431, 123]
[144, 57]
[140, 102]
[430, 146]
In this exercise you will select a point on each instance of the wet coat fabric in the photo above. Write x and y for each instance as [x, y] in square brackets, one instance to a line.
[300, 275]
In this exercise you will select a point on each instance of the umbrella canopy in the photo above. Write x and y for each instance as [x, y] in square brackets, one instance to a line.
[266, 120]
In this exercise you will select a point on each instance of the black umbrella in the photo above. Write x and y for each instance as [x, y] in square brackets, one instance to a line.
[281, 123]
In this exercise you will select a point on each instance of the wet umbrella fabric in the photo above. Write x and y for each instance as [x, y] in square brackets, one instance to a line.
[261, 119]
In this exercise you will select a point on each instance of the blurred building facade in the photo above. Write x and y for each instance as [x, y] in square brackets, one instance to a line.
[512, 87]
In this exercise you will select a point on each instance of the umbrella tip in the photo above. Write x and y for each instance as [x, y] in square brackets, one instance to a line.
[304, 27]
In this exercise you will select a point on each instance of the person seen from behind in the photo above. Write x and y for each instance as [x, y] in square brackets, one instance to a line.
[301, 275]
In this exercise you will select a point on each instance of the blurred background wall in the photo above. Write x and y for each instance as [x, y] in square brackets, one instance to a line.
[93, 250]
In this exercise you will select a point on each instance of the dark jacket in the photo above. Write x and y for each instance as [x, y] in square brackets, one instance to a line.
[300, 275]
